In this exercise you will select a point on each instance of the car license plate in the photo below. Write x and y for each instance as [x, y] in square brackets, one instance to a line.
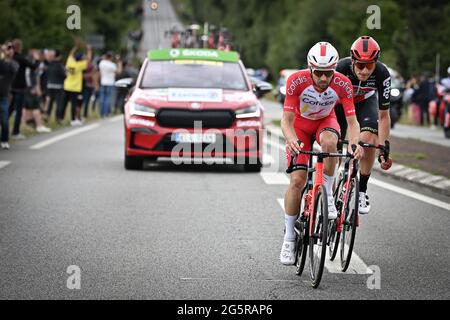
[194, 137]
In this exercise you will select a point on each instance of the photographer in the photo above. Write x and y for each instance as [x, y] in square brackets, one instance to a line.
[108, 72]
[8, 71]
[19, 86]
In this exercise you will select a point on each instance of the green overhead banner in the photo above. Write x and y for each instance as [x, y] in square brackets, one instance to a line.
[193, 54]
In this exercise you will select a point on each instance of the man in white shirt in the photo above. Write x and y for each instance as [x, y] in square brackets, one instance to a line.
[108, 71]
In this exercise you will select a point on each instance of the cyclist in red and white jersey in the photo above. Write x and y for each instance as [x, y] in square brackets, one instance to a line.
[311, 96]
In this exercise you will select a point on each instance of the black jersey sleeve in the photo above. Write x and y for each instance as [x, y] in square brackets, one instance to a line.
[344, 66]
[384, 86]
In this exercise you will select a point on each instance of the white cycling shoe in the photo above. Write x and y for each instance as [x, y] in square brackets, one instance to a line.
[287, 255]
[364, 204]
[332, 211]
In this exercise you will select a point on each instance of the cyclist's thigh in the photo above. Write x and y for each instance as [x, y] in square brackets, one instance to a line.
[328, 125]
[304, 129]
[367, 115]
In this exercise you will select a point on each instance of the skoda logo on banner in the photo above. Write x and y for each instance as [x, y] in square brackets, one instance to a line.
[174, 53]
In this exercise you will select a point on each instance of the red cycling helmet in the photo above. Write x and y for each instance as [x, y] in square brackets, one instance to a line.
[365, 49]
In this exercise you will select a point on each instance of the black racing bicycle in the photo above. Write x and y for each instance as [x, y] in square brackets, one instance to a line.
[346, 196]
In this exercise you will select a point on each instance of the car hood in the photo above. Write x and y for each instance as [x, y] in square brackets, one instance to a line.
[194, 98]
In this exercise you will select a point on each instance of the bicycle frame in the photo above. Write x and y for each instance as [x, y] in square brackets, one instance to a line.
[312, 190]
[313, 185]
[351, 166]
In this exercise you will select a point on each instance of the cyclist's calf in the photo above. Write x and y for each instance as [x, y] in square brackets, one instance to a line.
[369, 153]
[293, 194]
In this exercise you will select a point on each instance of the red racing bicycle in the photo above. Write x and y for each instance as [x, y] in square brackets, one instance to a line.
[312, 226]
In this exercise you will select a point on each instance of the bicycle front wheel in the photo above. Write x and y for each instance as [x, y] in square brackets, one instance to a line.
[302, 237]
[349, 227]
[333, 234]
[318, 239]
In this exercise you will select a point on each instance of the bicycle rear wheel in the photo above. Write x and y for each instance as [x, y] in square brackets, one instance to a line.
[349, 227]
[318, 239]
[302, 237]
[333, 234]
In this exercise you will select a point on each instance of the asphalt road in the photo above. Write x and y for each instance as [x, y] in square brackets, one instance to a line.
[188, 232]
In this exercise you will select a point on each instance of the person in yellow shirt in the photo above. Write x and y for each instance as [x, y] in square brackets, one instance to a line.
[73, 84]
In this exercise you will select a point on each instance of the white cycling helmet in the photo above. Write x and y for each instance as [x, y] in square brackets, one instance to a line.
[448, 70]
[323, 56]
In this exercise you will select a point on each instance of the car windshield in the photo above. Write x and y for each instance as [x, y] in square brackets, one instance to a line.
[193, 74]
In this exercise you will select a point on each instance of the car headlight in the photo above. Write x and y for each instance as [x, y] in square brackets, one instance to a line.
[250, 112]
[283, 90]
[395, 92]
[141, 110]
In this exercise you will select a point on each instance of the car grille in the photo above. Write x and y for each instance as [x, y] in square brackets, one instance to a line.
[166, 144]
[176, 118]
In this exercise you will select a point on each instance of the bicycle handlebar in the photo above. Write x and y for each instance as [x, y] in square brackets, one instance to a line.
[293, 167]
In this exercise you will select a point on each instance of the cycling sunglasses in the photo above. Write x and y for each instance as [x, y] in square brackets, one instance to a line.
[320, 73]
[369, 65]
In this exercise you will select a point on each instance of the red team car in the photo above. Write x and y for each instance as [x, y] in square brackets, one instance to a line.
[193, 105]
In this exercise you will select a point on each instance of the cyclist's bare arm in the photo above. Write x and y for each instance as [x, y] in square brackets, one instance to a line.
[287, 126]
[384, 126]
[353, 136]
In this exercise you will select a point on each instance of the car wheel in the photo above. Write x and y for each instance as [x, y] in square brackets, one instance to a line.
[133, 163]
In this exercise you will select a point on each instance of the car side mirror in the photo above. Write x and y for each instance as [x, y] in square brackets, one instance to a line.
[125, 83]
[262, 88]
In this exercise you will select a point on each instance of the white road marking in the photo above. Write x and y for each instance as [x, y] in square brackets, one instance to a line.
[56, 139]
[268, 159]
[411, 194]
[3, 164]
[275, 178]
[357, 265]
[281, 203]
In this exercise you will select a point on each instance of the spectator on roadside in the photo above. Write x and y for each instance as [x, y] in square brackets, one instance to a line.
[43, 77]
[108, 71]
[33, 95]
[19, 86]
[56, 74]
[8, 70]
[73, 84]
[422, 97]
[88, 87]
[446, 81]
[410, 87]
[127, 72]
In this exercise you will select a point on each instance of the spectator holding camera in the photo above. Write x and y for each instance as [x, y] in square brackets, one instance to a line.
[8, 71]
[56, 74]
[108, 71]
[19, 86]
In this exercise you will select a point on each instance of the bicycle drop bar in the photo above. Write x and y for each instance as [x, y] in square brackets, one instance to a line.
[386, 148]
[294, 167]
